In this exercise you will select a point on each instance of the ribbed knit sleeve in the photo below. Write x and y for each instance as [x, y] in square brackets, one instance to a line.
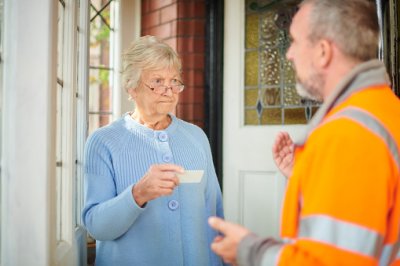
[102, 204]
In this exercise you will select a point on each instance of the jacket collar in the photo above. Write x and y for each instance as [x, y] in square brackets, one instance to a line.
[362, 76]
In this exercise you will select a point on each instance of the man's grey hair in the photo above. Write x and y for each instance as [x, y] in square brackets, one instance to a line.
[146, 53]
[351, 24]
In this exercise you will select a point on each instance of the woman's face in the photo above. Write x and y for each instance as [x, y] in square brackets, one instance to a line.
[151, 97]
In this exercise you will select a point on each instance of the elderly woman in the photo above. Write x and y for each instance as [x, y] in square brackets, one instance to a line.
[135, 206]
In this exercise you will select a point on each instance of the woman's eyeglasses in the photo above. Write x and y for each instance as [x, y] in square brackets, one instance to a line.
[159, 88]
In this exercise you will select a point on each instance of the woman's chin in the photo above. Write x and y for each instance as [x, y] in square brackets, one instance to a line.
[165, 108]
[165, 111]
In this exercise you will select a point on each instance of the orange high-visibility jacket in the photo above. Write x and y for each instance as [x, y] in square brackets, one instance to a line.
[342, 203]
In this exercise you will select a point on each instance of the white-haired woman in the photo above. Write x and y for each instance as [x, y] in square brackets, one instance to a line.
[135, 207]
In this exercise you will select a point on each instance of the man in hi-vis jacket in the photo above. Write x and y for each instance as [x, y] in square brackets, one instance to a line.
[342, 203]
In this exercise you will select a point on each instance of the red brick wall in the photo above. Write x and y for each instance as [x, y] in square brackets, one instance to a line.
[182, 23]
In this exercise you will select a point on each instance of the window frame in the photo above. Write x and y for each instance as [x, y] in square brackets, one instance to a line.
[73, 123]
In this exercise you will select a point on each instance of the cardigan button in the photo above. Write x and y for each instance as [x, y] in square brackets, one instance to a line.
[163, 136]
[167, 157]
[173, 205]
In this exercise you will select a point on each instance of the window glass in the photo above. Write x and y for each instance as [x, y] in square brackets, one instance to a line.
[270, 96]
[101, 73]
[102, 14]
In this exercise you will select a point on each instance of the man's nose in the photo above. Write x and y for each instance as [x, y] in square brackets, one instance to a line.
[289, 53]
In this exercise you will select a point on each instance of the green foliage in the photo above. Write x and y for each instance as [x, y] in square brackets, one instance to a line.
[104, 76]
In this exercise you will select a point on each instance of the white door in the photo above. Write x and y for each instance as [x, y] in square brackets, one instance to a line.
[253, 189]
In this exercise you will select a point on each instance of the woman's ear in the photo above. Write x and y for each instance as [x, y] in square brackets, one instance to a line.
[132, 93]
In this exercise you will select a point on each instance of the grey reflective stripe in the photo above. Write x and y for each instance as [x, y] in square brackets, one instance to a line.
[287, 240]
[343, 235]
[389, 253]
[271, 255]
[374, 125]
[385, 256]
[366, 119]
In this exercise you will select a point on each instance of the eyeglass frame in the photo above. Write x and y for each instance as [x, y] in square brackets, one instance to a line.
[155, 89]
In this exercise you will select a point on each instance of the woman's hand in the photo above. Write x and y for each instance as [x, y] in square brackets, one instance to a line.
[282, 151]
[160, 180]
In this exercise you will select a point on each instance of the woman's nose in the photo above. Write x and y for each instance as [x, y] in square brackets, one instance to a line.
[168, 90]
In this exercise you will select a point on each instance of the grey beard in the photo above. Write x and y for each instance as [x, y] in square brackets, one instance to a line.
[304, 93]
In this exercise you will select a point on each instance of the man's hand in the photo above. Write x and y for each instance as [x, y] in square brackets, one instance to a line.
[282, 151]
[226, 246]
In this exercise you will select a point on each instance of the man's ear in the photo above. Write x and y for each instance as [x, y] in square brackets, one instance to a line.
[325, 53]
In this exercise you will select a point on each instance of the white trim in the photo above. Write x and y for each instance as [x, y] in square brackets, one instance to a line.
[82, 102]
[129, 30]
[28, 162]
[82, 127]
[115, 54]
[233, 91]
[64, 249]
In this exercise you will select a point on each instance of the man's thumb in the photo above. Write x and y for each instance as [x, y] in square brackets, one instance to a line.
[216, 223]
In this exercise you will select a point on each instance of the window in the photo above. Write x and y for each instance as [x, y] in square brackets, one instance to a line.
[72, 130]
[102, 72]
[270, 93]
[52, 141]
[102, 66]
[68, 131]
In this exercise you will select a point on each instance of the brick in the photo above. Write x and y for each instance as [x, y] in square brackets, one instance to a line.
[192, 9]
[144, 32]
[199, 95]
[192, 27]
[187, 96]
[174, 26]
[185, 111]
[200, 9]
[198, 78]
[169, 13]
[184, 44]
[199, 124]
[162, 31]
[151, 19]
[157, 4]
[199, 45]
[192, 61]
[145, 5]
[172, 42]
[189, 44]
[186, 9]
[188, 78]
[198, 111]
[193, 113]
[193, 78]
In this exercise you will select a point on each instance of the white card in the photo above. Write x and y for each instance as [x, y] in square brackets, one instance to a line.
[191, 176]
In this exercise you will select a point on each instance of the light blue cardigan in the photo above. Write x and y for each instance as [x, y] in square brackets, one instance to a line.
[170, 230]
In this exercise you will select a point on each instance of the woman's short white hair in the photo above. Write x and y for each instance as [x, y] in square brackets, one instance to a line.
[146, 53]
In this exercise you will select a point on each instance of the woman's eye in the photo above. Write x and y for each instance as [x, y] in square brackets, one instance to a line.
[175, 82]
[158, 81]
